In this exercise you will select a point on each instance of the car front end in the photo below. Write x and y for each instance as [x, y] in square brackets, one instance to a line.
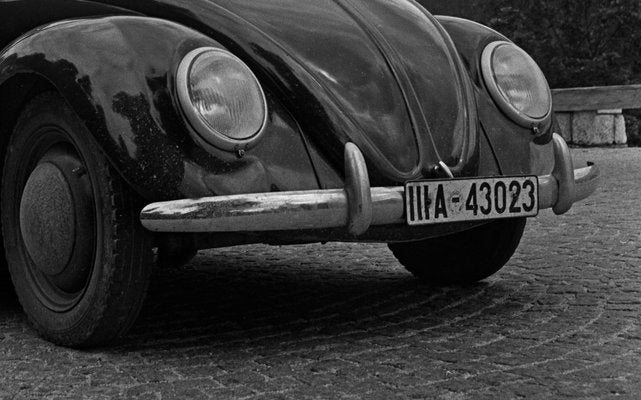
[436, 133]
[232, 122]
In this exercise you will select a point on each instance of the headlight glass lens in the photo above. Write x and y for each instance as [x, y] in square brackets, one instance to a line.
[516, 82]
[224, 99]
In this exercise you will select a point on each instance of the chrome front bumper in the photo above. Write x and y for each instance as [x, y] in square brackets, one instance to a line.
[357, 206]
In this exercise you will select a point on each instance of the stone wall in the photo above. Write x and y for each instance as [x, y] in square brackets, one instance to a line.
[590, 128]
[594, 115]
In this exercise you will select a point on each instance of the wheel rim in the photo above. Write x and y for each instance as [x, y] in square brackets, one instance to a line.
[57, 221]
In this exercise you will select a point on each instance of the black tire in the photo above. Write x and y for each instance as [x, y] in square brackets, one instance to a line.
[462, 258]
[78, 257]
[5, 279]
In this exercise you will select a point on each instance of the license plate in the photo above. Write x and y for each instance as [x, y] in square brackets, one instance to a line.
[436, 201]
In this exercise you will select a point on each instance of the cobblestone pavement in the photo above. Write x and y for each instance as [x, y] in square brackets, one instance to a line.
[562, 319]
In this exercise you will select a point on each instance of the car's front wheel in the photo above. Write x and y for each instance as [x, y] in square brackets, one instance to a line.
[79, 259]
[463, 257]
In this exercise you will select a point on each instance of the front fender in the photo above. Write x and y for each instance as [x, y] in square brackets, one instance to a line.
[117, 74]
[513, 146]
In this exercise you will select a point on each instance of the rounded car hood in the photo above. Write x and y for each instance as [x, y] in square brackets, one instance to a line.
[380, 73]
[386, 64]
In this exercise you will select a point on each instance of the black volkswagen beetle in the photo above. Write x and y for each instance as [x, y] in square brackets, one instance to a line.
[129, 126]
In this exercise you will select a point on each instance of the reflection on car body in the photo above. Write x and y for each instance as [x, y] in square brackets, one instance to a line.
[129, 126]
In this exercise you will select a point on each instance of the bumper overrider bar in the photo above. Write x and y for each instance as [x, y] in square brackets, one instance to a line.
[357, 207]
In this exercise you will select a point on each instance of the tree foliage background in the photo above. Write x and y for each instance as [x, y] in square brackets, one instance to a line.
[576, 42]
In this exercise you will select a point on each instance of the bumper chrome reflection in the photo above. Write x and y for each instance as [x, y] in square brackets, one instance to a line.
[356, 207]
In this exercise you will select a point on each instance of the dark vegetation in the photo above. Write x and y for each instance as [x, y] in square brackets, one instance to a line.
[576, 42]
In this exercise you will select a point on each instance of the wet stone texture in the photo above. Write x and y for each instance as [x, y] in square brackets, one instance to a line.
[562, 320]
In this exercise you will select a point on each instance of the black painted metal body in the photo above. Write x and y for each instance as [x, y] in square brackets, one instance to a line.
[385, 74]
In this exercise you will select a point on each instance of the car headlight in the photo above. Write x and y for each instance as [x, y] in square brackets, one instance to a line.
[221, 98]
[517, 84]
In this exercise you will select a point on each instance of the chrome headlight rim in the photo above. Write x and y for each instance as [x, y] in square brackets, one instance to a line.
[503, 103]
[201, 131]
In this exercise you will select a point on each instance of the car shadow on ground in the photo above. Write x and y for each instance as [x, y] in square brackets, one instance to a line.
[250, 302]
[240, 300]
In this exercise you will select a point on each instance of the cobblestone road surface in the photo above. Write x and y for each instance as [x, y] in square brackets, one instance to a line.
[563, 319]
